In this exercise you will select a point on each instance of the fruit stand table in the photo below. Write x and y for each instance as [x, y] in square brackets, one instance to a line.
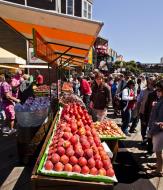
[113, 144]
[41, 182]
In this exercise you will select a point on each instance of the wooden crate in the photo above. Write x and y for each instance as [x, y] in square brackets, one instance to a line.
[114, 146]
[41, 182]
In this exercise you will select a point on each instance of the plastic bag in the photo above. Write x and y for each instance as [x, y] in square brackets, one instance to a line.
[31, 119]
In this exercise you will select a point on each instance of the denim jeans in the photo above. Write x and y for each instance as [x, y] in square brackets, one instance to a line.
[143, 126]
[126, 118]
[86, 100]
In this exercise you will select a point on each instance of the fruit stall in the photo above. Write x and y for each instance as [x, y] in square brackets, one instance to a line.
[73, 156]
[42, 90]
[111, 133]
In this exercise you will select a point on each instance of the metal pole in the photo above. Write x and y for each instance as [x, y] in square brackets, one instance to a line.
[27, 62]
[49, 79]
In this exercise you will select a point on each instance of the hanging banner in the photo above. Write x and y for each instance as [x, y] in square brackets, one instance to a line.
[42, 50]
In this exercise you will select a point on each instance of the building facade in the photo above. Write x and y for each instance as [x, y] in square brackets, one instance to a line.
[79, 8]
[161, 60]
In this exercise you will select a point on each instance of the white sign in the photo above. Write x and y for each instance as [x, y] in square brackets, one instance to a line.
[33, 59]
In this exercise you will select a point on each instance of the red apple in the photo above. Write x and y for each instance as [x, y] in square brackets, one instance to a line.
[81, 130]
[85, 144]
[61, 151]
[89, 121]
[67, 129]
[66, 144]
[97, 141]
[91, 163]
[77, 146]
[88, 133]
[87, 127]
[58, 167]
[107, 164]
[67, 118]
[83, 138]
[74, 139]
[93, 171]
[102, 172]
[48, 165]
[84, 122]
[91, 141]
[97, 157]
[73, 160]
[94, 133]
[74, 127]
[64, 159]
[55, 158]
[89, 153]
[79, 152]
[85, 170]
[82, 161]
[68, 168]
[99, 164]
[49, 157]
[69, 151]
[110, 172]
[67, 135]
[76, 168]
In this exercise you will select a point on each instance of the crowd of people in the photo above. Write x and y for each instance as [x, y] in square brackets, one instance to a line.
[15, 89]
[134, 99]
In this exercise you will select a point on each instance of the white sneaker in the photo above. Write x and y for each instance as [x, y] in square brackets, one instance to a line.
[12, 131]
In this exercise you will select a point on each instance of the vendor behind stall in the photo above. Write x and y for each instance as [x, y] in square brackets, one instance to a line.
[26, 89]
[39, 78]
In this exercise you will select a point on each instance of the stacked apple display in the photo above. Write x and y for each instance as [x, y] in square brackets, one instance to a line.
[76, 146]
[108, 128]
[42, 88]
[67, 86]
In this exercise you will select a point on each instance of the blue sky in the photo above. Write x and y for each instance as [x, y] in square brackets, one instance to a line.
[134, 27]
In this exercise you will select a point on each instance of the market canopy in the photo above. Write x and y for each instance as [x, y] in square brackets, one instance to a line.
[61, 31]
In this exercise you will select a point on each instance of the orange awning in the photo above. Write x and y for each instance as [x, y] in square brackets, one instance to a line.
[61, 31]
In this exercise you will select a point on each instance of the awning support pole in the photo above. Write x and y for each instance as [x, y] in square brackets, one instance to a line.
[49, 79]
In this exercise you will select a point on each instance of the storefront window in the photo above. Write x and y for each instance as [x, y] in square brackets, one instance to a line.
[87, 9]
[43, 4]
[17, 1]
[70, 7]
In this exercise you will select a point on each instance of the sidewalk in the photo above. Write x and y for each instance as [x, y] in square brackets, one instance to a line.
[130, 165]
[132, 160]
